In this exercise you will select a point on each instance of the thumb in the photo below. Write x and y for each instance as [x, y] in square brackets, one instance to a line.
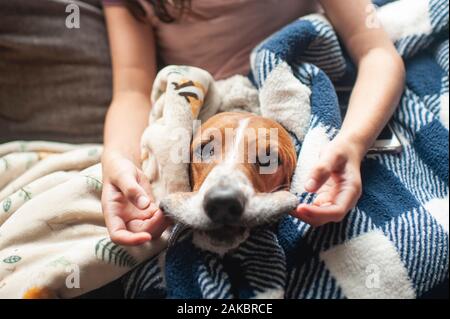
[320, 173]
[328, 164]
[318, 176]
[135, 193]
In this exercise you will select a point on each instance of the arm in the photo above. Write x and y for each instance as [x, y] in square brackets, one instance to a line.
[380, 80]
[134, 69]
[126, 199]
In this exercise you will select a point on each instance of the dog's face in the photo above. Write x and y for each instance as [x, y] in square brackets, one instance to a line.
[242, 146]
[240, 165]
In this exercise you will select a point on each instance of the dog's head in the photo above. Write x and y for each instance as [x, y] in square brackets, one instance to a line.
[241, 168]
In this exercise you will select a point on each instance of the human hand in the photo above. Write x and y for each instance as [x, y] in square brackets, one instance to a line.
[336, 178]
[131, 216]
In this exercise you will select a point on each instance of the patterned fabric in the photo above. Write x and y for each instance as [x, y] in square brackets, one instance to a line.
[53, 239]
[394, 243]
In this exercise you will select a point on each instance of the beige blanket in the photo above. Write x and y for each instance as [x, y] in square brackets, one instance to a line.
[53, 240]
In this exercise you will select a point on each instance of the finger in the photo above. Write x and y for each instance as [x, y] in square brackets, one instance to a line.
[141, 214]
[318, 177]
[120, 235]
[115, 224]
[329, 212]
[127, 238]
[324, 198]
[320, 214]
[328, 164]
[133, 191]
[138, 225]
[137, 214]
[145, 184]
[300, 214]
[111, 197]
[159, 223]
[155, 225]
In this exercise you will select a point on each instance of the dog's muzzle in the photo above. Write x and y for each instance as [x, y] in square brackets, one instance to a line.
[224, 205]
[222, 218]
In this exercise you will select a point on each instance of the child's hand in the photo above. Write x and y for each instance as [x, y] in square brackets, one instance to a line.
[130, 215]
[336, 178]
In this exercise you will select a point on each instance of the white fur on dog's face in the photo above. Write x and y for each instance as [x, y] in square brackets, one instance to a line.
[228, 172]
[261, 209]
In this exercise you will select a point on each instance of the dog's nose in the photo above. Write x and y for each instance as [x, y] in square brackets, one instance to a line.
[224, 205]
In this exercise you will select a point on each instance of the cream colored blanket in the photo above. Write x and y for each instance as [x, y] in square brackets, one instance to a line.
[53, 240]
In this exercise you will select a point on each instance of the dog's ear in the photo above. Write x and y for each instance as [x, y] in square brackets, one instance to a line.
[289, 160]
[267, 207]
[180, 208]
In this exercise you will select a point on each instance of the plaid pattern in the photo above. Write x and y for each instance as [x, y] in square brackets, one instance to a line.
[394, 243]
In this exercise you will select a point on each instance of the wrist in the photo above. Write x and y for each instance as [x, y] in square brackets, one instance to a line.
[353, 144]
[111, 153]
[116, 164]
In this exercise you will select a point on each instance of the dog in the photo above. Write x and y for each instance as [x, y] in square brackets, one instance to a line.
[240, 173]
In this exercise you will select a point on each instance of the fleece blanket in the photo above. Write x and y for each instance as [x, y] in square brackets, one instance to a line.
[53, 240]
[394, 243]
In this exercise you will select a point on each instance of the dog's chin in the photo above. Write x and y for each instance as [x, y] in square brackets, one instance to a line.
[221, 240]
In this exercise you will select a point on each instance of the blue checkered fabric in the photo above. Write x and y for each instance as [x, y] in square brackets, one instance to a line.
[394, 243]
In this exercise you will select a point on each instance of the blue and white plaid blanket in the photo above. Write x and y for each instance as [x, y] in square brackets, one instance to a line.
[394, 243]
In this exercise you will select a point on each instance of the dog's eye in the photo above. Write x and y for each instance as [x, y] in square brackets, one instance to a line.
[263, 162]
[266, 161]
[205, 152]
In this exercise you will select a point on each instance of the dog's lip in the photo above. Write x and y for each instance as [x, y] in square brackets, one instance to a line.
[221, 240]
[223, 231]
[224, 235]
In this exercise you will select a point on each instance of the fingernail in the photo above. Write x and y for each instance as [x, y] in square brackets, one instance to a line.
[143, 202]
[310, 184]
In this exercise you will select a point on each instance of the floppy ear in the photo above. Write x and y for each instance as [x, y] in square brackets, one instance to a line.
[196, 85]
[264, 208]
[181, 208]
[289, 159]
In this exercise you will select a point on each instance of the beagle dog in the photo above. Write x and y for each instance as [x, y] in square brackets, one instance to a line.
[240, 173]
